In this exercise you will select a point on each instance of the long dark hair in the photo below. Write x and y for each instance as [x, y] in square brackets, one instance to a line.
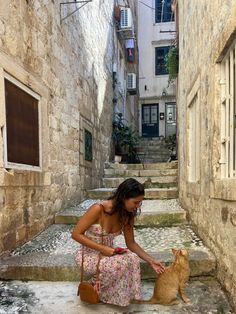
[130, 188]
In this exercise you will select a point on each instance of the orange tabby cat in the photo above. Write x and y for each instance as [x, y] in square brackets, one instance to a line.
[172, 281]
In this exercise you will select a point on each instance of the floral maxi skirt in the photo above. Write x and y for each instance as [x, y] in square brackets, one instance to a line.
[120, 280]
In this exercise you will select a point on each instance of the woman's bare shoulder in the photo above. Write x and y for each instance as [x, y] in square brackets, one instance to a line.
[95, 208]
[107, 205]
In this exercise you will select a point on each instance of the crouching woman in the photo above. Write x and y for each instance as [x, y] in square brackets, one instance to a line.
[120, 280]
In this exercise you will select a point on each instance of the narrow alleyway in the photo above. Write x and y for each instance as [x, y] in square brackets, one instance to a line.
[162, 225]
[88, 83]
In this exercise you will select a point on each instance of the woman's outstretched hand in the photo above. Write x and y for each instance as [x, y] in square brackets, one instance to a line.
[157, 266]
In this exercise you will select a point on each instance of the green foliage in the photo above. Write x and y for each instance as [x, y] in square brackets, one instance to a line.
[171, 142]
[172, 63]
[125, 139]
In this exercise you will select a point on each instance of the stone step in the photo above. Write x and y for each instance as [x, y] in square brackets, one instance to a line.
[40, 297]
[146, 166]
[154, 148]
[153, 213]
[151, 160]
[148, 182]
[151, 142]
[154, 160]
[109, 173]
[159, 148]
[150, 193]
[50, 255]
[153, 154]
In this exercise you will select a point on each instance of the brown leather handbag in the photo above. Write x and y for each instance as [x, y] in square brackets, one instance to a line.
[90, 293]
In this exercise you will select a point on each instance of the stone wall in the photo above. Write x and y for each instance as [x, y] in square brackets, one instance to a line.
[69, 65]
[205, 28]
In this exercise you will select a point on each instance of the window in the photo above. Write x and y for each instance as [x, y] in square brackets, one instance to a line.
[22, 146]
[228, 114]
[88, 145]
[163, 11]
[160, 63]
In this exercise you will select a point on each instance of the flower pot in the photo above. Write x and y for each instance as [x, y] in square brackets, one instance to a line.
[117, 159]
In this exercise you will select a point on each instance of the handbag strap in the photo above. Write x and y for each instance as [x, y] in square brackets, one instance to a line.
[99, 257]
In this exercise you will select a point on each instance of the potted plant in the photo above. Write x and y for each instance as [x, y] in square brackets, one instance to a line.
[170, 142]
[125, 140]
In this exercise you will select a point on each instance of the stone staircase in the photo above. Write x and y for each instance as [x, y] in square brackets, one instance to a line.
[159, 179]
[161, 226]
[152, 150]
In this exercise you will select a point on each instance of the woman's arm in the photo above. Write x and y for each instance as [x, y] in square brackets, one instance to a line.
[90, 217]
[134, 247]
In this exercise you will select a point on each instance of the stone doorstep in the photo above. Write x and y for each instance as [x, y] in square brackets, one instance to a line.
[58, 267]
[161, 218]
[152, 193]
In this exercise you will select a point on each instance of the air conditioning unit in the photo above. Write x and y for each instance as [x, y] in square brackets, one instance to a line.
[131, 82]
[126, 21]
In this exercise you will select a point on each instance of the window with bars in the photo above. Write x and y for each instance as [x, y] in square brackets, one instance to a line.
[160, 63]
[163, 11]
[228, 114]
[88, 145]
[22, 146]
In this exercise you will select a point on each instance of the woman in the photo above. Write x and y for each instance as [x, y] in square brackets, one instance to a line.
[119, 274]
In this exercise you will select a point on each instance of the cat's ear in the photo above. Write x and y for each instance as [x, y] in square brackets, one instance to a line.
[184, 252]
[174, 251]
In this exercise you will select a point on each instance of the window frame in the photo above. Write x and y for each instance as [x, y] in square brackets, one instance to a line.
[228, 114]
[165, 13]
[13, 165]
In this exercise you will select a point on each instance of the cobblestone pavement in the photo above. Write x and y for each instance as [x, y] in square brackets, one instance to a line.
[57, 239]
[147, 206]
[18, 297]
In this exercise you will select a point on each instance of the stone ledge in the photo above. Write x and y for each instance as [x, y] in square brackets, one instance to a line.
[58, 267]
